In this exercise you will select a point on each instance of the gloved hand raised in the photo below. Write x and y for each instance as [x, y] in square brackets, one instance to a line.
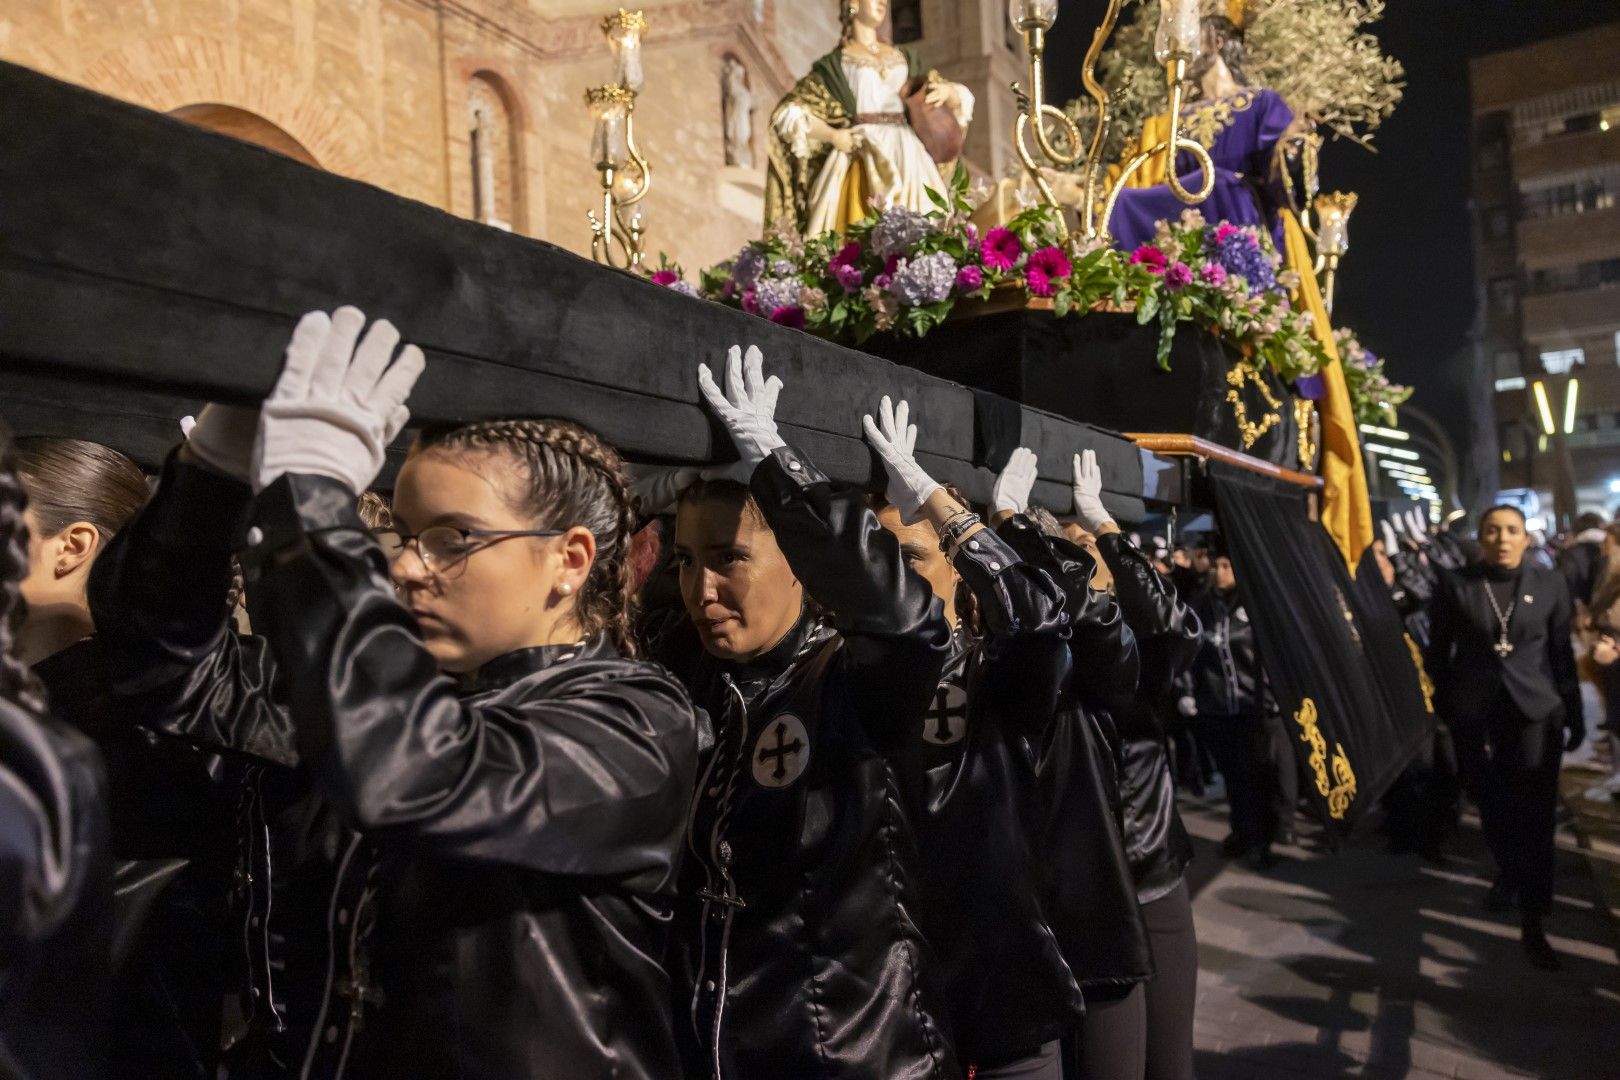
[1011, 491]
[222, 438]
[895, 440]
[747, 408]
[337, 405]
[1392, 543]
[1088, 504]
[1417, 525]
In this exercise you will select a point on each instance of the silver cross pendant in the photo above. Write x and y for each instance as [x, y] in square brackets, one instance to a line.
[1504, 648]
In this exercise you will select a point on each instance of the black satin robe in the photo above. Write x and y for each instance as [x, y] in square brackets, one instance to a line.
[799, 915]
[1167, 637]
[1009, 988]
[1088, 887]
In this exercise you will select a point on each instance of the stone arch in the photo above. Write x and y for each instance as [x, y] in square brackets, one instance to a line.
[181, 71]
[494, 151]
[246, 126]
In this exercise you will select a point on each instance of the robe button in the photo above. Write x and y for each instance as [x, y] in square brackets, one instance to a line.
[794, 466]
[708, 986]
[995, 565]
[973, 545]
[255, 536]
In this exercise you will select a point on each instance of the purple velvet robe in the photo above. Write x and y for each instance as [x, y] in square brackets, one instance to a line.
[1241, 132]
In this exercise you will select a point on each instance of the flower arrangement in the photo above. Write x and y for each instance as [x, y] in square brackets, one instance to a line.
[903, 272]
[1376, 400]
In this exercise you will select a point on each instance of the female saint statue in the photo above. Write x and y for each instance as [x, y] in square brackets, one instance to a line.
[842, 137]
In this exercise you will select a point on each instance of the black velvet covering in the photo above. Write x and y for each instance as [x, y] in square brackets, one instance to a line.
[1325, 638]
[143, 253]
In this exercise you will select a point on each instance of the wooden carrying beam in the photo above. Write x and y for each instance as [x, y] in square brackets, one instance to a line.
[1170, 445]
[146, 257]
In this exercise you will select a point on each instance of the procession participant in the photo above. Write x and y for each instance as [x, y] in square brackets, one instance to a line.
[816, 650]
[1504, 672]
[1088, 887]
[1167, 637]
[1012, 997]
[55, 881]
[170, 821]
[510, 783]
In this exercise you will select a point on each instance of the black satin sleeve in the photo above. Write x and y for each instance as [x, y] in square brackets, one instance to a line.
[1167, 631]
[158, 598]
[52, 826]
[1026, 623]
[578, 775]
[1105, 652]
[896, 639]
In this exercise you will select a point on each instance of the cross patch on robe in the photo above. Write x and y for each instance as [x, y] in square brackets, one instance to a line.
[945, 722]
[782, 752]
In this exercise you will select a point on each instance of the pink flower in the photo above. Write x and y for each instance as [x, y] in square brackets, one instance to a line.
[790, 317]
[1178, 277]
[1037, 282]
[665, 277]
[1150, 257]
[850, 277]
[882, 281]
[1051, 261]
[848, 255]
[969, 279]
[891, 264]
[729, 289]
[1213, 274]
[1001, 249]
[1225, 229]
[749, 304]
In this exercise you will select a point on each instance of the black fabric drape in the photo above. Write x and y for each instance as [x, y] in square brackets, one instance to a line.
[1334, 648]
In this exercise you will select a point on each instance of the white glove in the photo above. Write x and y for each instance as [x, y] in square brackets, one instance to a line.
[1399, 522]
[1418, 524]
[1017, 480]
[1188, 707]
[1392, 543]
[895, 441]
[337, 405]
[657, 490]
[1088, 504]
[748, 407]
[222, 438]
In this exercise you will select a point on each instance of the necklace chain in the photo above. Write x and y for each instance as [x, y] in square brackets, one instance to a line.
[1501, 619]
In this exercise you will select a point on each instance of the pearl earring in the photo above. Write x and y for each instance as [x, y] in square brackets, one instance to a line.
[565, 589]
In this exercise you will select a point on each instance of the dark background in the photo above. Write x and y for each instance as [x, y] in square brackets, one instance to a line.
[1407, 286]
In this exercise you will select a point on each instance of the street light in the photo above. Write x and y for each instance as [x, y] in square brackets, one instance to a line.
[1544, 407]
[1570, 397]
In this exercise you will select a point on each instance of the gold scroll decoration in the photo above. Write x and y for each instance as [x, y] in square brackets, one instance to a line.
[1339, 788]
[1423, 674]
[1244, 373]
[1305, 419]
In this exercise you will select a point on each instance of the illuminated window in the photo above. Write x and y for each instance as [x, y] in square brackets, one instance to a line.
[1516, 382]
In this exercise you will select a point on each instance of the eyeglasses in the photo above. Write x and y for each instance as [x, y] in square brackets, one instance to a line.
[445, 548]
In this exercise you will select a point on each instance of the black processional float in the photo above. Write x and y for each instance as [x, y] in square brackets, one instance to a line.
[147, 266]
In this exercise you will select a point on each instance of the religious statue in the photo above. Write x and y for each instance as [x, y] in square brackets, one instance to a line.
[737, 103]
[864, 127]
[1253, 137]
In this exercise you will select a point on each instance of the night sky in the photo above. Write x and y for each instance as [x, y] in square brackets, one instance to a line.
[1407, 286]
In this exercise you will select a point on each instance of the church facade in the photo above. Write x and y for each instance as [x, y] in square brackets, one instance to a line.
[477, 106]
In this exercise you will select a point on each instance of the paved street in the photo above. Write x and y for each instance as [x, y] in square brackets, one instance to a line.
[1364, 964]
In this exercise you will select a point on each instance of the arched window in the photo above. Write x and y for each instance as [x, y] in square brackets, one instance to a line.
[492, 154]
[906, 16]
[249, 127]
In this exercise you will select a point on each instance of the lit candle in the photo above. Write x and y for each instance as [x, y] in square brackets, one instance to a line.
[1028, 15]
[1181, 31]
[1333, 227]
[610, 106]
[624, 32]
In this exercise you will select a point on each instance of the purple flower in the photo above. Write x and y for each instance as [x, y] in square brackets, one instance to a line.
[1037, 282]
[685, 288]
[969, 279]
[1213, 274]
[1001, 249]
[897, 230]
[1239, 252]
[883, 281]
[750, 301]
[1178, 277]
[848, 255]
[791, 317]
[927, 279]
[665, 278]
[850, 277]
[1311, 387]
[782, 268]
[773, 292]
[748, 265]
[1051, 261]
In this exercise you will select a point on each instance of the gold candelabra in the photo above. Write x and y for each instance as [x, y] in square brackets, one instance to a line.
[1033, 18]
[1178, 43]
[1332, 239]
[617, 231]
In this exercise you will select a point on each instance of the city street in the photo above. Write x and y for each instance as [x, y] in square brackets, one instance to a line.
[1365, 964]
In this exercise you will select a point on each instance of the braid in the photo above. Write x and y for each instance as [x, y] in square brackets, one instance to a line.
[17, 681]
[575, 478]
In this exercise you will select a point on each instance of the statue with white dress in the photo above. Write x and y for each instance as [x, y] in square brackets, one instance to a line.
[864, 128]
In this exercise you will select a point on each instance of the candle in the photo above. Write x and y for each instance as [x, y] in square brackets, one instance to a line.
[1026, 15]
[610, 105]
[1181, 31]
[1333, 228]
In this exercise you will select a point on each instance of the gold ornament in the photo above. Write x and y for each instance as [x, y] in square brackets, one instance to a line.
[1340, 788]
[1305, 420]
[1243, 373]
[1426, 683]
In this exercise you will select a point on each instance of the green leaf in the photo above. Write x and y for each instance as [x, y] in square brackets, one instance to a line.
[936, 198]
[1062, 303]
[1147, 306]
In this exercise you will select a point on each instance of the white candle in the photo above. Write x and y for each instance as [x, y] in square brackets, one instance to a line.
[1181, 31]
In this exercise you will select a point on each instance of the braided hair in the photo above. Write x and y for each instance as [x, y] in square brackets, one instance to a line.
[574, 478]
[17, 681]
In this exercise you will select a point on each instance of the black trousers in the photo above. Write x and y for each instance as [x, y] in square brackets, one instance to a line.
[1509, 765]
[1243, 750]
[1172, 993]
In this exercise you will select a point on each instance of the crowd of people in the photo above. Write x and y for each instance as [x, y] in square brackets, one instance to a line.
[545, 767]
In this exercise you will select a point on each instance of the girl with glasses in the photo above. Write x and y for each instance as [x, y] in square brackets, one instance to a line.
[506, 782]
